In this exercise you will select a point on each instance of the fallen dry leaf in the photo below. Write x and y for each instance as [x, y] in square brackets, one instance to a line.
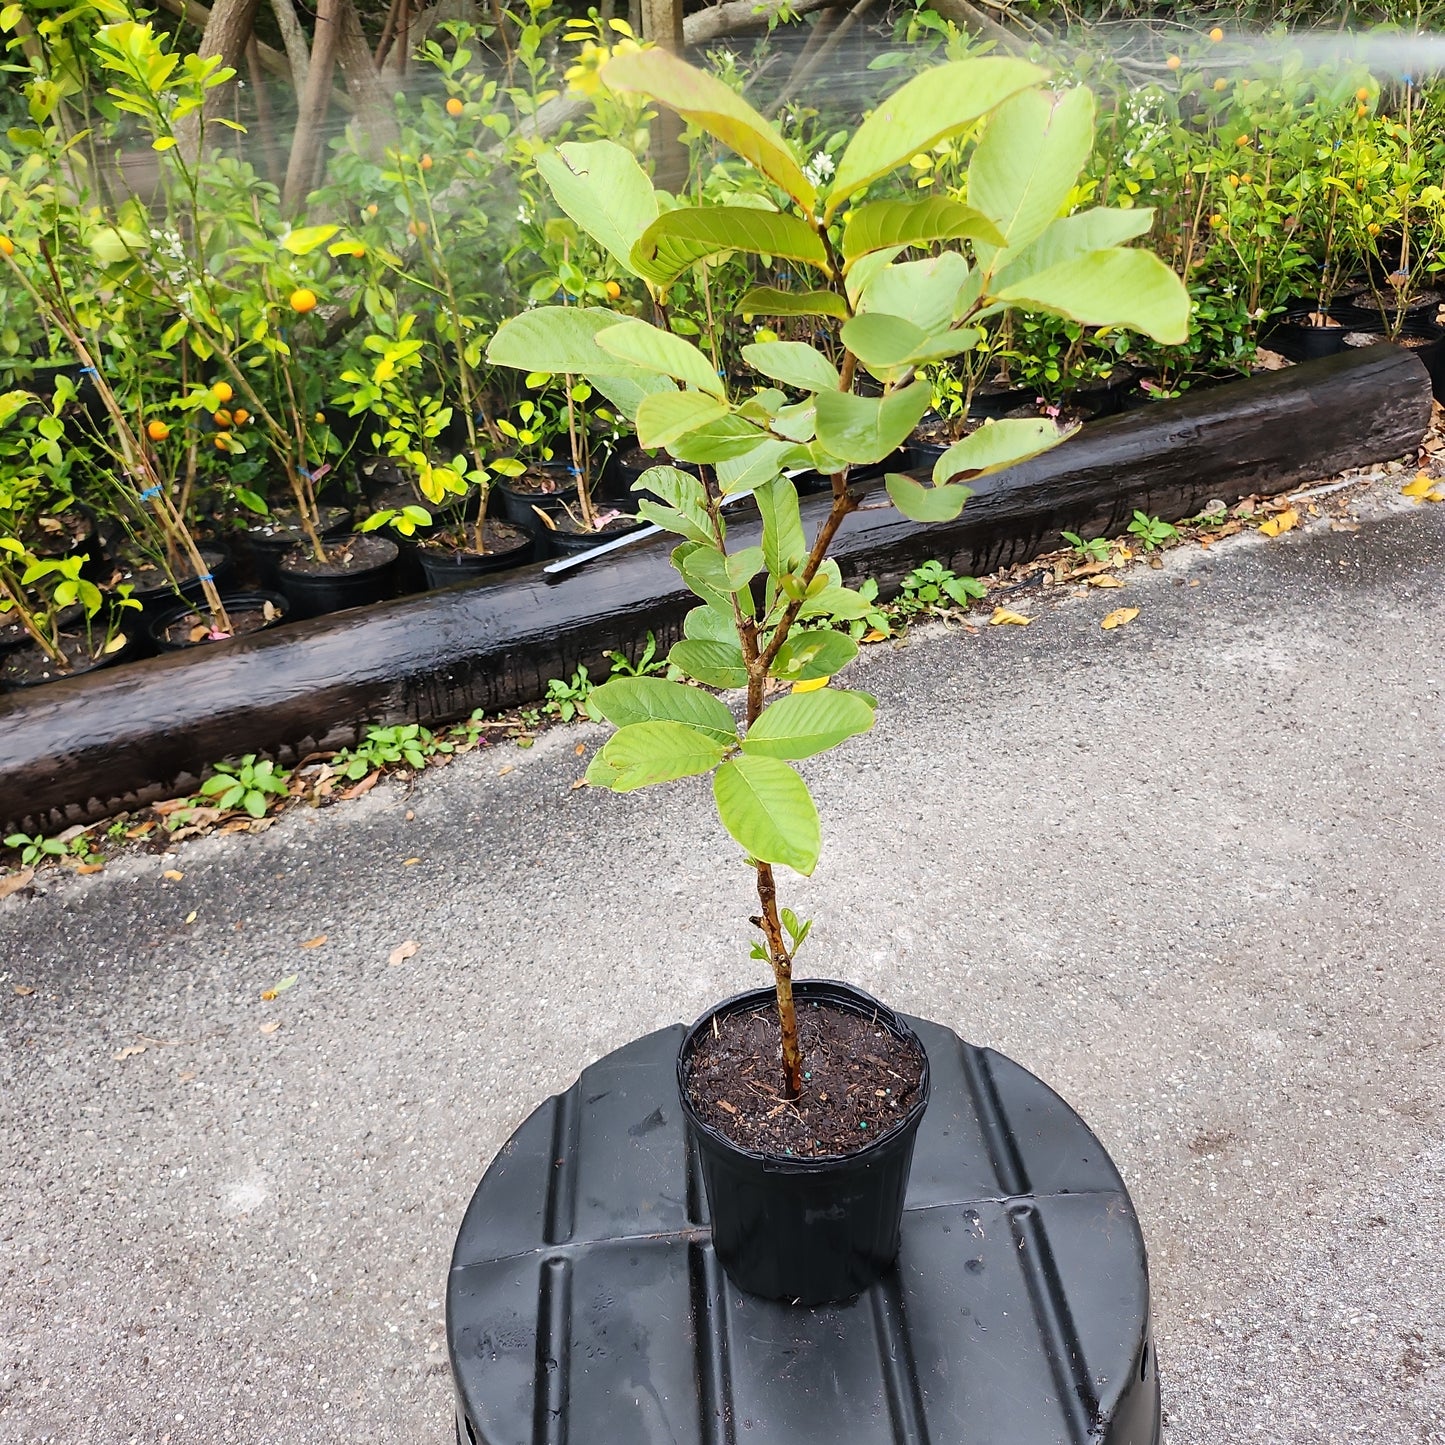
[14, 882]
[191, 916]
[580, 749]
[1339, 526]
[1002, 617]
[174, 874]
[402, 952]
[1281, 523]
[1118, 617]
[88, 868]
[1424, 489]
[271, 1026]
[410, 816]
[139, 831]
[1105, 579]
[315, 942]
[239, 825]
[186, 1078]
[276, 988]
[504, 770]
[364, 786]
[24, 990]
[410, 862]
[129, 1051]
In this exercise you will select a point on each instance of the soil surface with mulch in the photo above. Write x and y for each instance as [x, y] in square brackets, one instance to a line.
[540, 482]
[148, 574]
[283, 527]
[346, 555]
[22, 666]
[859, 1082]
[500, 537]
[63, 535]
[195, 627]
[623, 522]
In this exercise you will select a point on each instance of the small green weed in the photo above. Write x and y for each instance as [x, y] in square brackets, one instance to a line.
[935, 588]
[247, 785]
[1151, 532]
[646, 665]
[567, 700]
[874, 624]
[36, 849]
[1096, 549]
[410, 744]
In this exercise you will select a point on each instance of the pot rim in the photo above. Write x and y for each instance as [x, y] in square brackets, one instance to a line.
[156, 625]
[832, 990]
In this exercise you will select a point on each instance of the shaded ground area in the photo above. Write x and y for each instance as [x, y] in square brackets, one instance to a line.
[1188, 871]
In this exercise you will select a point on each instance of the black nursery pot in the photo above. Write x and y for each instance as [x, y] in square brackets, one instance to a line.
[313, 592]
[563, 541]
[518, 502]
[445, 567]
[250, 605]
[1301, 340]
[270, 540]
[813, 1231]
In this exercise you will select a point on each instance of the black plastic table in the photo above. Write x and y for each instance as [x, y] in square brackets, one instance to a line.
[585, 1305]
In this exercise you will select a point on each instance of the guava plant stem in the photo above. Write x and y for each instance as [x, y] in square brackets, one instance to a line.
[782, 964]
[579, 463]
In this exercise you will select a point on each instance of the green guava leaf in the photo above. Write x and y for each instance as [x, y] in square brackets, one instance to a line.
[805, 723]
[806, 656]
[679, 239]
[706, 102]
[718, 664]
[868, 428]
[927, 109]
[628, 700]
[662, 751]
[600, 185]
[768, 810]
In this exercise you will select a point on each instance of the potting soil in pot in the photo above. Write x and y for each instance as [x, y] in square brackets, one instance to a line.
[30, 665]
[859, 1081]
[247, 616]
[357, 554]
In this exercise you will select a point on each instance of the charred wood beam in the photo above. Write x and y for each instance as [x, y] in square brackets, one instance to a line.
[92, 745]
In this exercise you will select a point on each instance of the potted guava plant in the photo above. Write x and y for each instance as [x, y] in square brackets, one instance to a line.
[804, 1098]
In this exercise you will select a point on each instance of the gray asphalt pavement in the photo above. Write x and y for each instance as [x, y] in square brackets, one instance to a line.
[1189, 871]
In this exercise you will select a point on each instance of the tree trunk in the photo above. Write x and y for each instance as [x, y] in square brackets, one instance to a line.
[662, 24]
[311, 120]
[369, 94]
[228, 32]
[293, 37]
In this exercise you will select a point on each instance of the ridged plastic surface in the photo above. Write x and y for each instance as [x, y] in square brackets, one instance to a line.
[585, 1305]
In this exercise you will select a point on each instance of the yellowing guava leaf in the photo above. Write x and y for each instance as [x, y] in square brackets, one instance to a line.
[1280, 524]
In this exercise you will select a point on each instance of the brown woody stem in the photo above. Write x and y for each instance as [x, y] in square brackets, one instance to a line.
[782, 964]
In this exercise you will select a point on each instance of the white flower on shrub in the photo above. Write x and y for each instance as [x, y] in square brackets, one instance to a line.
[819, 168]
